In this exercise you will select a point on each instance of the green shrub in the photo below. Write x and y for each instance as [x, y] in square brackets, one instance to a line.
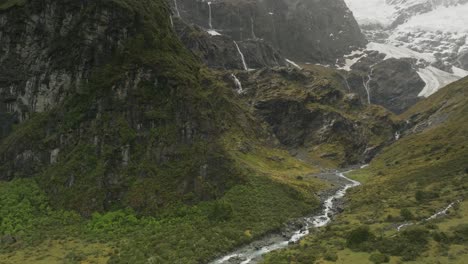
[112, 222]
[422, 195]
[331, 256]
[358, 236]
[378, 258]
[460, 233]
[440, 237]
[409, 244]
[406, 214]
[221, 211]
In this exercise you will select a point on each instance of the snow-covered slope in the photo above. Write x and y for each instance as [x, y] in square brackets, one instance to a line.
[435, 32]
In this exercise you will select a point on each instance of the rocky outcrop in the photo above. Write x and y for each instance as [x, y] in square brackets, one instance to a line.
[462, 59]
[114, 111]
[47, 50]
[396, 85]
[307, 31]
[392, 83]
[312, 113]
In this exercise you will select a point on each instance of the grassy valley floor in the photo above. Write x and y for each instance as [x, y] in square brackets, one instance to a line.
[275, 191]
[410, 181]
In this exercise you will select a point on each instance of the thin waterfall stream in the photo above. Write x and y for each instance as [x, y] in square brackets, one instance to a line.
[209, 16]
[244, 64]
[176, 9]
[367, 84]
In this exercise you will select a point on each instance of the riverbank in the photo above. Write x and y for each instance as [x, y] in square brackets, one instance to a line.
[332, 203]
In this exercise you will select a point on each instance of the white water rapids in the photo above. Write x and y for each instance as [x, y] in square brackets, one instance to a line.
[251, 254]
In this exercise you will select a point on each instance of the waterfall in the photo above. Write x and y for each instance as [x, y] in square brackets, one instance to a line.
[242, 57]
[367, 85]
[252, 28]
[293, 64]
[176, 9]
[209, 16]
[397, 135]
[172, 21]
[238, 84]
[438, 214]
[346, 81]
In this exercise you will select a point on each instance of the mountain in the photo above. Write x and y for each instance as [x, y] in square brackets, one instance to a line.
[306, 31]
[429, 52]
[153, 131]
[419, 178]
[114, 129]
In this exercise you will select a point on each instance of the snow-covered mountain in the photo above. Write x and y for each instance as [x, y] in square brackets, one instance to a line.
[433, 31]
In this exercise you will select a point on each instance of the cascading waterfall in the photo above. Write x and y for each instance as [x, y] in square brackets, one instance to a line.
[292, 63]
[244, 64]
[397, 135]
[172, 21]
[346, 82]
[252, 28]
[432, 217]
[176, 9]
[209, 16]
[367, 85]
[237, 83]
[271, 14]
[250, 255]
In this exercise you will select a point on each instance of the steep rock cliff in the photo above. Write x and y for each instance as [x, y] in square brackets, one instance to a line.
[303, 30]
[221, 52]
[113, 110]
[314, 114]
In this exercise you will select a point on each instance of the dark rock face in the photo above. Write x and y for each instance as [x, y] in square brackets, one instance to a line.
[114, 110]
[220, 52]
[308, 111]
[392, 83]
[463, 60]
[396, 85]
[303, 30]
[47, 50]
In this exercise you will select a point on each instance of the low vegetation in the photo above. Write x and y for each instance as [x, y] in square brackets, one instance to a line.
[407, 183]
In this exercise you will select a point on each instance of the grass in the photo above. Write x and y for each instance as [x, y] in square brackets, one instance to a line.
[159, 207]
[419, 175]
[6, 4]
[59, 252]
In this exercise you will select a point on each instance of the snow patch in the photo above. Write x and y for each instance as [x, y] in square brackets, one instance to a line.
[371, 12]
[459, 72]
[213, 32]
[400, 52]
[443, 18]
[434, 79]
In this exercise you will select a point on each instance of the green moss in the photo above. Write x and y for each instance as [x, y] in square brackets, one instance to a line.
[6, 4]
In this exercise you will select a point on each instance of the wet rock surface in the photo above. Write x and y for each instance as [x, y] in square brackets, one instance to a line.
[304, 111]
[392, 83]
[307, 31]
[220, 51]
